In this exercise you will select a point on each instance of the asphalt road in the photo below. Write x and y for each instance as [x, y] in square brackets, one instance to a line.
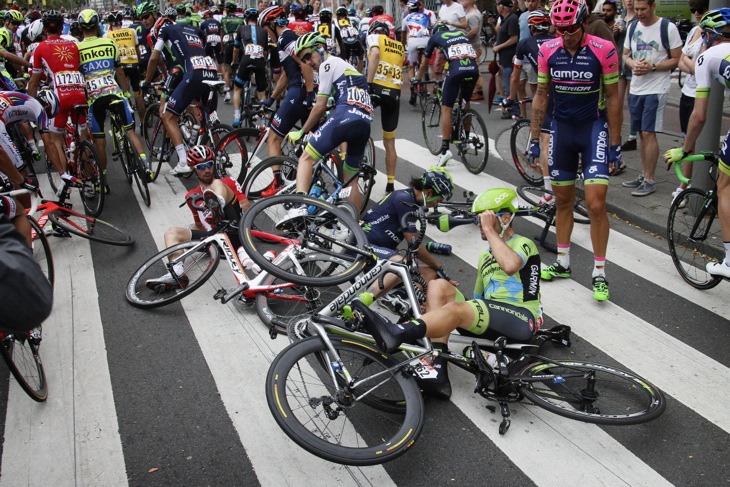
[175, 396]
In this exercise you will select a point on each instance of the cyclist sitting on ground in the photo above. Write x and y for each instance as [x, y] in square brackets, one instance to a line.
[223, 199]
[252, 43]
[713, 64]
[460, 78]
[506, 293]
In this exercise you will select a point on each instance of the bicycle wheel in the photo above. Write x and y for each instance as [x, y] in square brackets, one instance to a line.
[532, 195]
[130, 160]
[20, 352]
[323, 228]
[87, 169]
[367, 177]
[155, 136]
[88, 227]
[54, 179]
[262, 177]
[41, 249]
[694, 237]
[197, 268]
[232, 153]
[292, 300]
[431, 125]
[118, 146]
[483, 55]
[519, 142]
[340, 426]
[473, 142]
[591, 393]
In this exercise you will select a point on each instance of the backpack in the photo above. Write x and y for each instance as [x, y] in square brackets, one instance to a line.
[664, 33]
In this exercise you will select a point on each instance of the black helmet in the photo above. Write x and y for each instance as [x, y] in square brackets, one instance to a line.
[53, 18]
[378, 25]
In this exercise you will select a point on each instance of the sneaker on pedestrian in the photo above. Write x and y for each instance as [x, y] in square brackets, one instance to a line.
[478, 95]
[555, 270]
[634, 183]
[647, 187]
[293, 213]
[167, 282]
[497, 101]
[718, 269]
[600, 289]
[676, 193]
[444, 158]
[628, 145]
[396, 302]
[180, 170]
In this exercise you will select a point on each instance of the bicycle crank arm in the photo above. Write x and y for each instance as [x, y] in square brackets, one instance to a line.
[225, 296]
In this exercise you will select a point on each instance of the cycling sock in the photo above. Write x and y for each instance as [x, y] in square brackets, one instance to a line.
[632, 135]
[599, 266]
[277, 176]
[237, 113]
[32, 145]
[727, 253]
[444, 146]
[181, 155]
[564, 255]
[548, 184]
[391, 179]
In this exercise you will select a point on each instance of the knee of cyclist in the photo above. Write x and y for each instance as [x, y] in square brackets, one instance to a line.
[596, 207]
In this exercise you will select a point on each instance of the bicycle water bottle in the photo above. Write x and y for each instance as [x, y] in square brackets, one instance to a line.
[438, 248]
[315, 191]
[490, 357]
[247, 262]
[269, 255]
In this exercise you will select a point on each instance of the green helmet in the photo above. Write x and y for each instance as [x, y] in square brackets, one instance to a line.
[5, 37]
[308, 41]
[145, 8]
[496, 200]
[715, 19]
[88, 19]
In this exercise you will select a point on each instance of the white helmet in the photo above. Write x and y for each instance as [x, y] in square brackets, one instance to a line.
[35, 30]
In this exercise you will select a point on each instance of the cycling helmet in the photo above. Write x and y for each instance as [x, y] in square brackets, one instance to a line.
[198, 154]
[414, 6]
[275, 15]
[341, 12]
[251, 13]
[5, 37]
[231, 7]
[53, 18]
[35, 30]
[171, 13]
[539, 19]
[438, 179]
[88, 19]
[159, 24]
[180, 9]
[33, 15]
[48, 100]
[715, 19]
[325, 16]
[496, 200]
[377, 10]
[439, 27]
[567, 13]
[127, 13]
[369, 12]
[145, 8]
[14, 16]
[352, 11]
[308, 41]
[115, 18]
[378, 25]
[75, 30]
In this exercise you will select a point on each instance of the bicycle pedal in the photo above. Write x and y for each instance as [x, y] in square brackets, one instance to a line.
[219, 294]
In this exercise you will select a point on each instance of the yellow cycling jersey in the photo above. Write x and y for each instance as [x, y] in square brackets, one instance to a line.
[126, 41]
[389, 73]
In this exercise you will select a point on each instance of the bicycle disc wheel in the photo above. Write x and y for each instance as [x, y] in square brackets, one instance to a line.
[232, 153]
[473, 142]
[591, 393]
[197, 268]
[342, 427]
[41, 249]
[262, 177]
[519, 142]
[323, 228]
[20, 352]
[290, 300]
[89, 227]
[431, 125]
[692, 248]
[92, 194]
[532, 195]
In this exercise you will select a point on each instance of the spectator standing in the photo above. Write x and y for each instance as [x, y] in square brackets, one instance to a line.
[596, 25]
[474, 21]
[452, 15]
[651, 54]
[625, 74]
[506, 44]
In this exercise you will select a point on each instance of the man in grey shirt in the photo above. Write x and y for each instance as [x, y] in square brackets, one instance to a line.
[474, 21]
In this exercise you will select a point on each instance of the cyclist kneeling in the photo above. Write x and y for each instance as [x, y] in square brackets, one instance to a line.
[506, 293]
[223, 200]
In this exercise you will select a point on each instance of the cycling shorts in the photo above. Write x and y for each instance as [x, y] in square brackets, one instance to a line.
[134, 74]
[724, 164]
[389, 110]
[452, 84]
[291, 111]
[496, 318]
[255, 66]
[412, 48]
[99, 108]
[215, 52]
[8, 207]
[352, 50]
[191, 87]
[569, 144]
[66, 101]
[7, 83]
[7, 144]
[228, 55]
[344, 125]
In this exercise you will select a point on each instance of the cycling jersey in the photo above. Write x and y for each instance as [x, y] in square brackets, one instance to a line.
[389, 73]
[457, 50]
[349, 88]
[348, 32]
[253, 41]
[418, 24]
[528, 49]
[300, 27]
[230, 25]
[19, 107]
[99, 60]
[331, 34]
[382, 222]
[286, 43]
[204, 217]
[126, 41]
[212, 32]
[714, 65]
[145, 49]
[184, 46]
[584, 74]
[389, 21]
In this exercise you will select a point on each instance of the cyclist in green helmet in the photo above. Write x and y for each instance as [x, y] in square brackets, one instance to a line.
[506, 299]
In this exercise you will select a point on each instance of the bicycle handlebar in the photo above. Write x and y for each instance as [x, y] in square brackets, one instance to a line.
[34, 198]
[702, 156]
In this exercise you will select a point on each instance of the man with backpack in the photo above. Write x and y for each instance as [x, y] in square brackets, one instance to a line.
[651, 50]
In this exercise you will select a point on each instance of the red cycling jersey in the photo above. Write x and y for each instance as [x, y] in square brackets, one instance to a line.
[205, 217]
[59, 60]
[300, 27]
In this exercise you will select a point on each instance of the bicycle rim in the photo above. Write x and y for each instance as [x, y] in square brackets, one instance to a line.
[431, 125]
[533, 195]
[519, 142]
[592, 393]
[262, 177]
[693, 241]
[89, 227]
[54, 179]
[304, 403]
[197, 268]
[20, 352]
[155, 136]
[473, 142]
[92, 194]
[41, 249]
[122, 151]
[232, 153]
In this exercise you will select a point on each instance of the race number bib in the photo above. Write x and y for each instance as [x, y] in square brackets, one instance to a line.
[213, 39]
[389, 73]
[461, 51]
[142, 50]
[424, 369]
[127, 54]
[68, 78]
[96, 86]
[228, 38]
[253, 51]
[202, 62]
[359, 98]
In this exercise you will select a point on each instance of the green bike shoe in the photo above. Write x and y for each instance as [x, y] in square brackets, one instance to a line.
[600, 289]
[555, 270]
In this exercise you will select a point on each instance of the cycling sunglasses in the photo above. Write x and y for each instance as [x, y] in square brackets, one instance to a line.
[146, 16]
[569, 31]
[14, 22]
[306, 57]
[203, 166]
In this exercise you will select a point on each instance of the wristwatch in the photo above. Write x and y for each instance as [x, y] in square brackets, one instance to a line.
[653, 67]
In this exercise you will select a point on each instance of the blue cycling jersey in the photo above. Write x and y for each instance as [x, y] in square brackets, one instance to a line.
[184, 47]
[529, 48]
[458, 51]
[382, 222]
[292, 69]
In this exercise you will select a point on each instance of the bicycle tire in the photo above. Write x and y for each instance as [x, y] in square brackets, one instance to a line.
[233, 151]
[198, 269]
[121, 152]
[483, 55]
[89, 227]
[130, 160]
[298, 390]
[470, 144]
[20, 352]
[88, 170]
[431, 125]
[324, 229]
[519, 143]
[623, 398]
[367, 180]
[41, 249]
[289, 301]
[54, 179]
[155, 136]
[533, 194]
[261, 177]
[691, 255]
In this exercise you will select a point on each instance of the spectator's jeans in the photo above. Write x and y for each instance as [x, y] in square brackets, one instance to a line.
[506, 77]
